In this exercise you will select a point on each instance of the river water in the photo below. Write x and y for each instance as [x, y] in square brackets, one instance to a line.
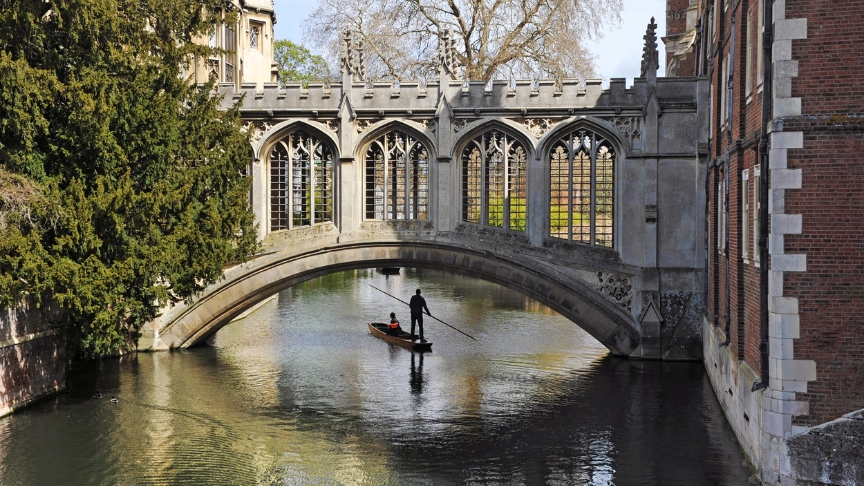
[299, 393]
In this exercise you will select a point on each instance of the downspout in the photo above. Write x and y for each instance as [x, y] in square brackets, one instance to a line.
[729, 99]
[767, 39]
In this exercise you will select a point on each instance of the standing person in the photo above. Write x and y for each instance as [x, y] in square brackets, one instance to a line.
[417, 305]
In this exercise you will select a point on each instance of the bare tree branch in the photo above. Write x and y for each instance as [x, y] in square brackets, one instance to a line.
[495, 38]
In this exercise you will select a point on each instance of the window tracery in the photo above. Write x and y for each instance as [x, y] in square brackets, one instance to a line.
[301, 182]
[397, 178]
[582, 190]
[494, 184]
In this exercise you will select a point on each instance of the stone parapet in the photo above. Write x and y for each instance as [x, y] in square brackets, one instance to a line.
[32, 355]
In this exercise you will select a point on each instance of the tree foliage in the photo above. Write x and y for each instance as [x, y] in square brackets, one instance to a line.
[122, 182]
[298, 65]
[494, 38]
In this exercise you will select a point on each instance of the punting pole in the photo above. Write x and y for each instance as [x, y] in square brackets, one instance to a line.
[430, 315]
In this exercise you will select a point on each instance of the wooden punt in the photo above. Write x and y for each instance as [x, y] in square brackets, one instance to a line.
[379, 329]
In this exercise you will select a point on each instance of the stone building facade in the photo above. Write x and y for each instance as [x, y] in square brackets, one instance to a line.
[247, 47]
[783, 333]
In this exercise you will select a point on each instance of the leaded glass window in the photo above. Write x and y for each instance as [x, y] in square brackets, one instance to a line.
[397, 178]
[301, 182]
[494, 181]
[254, 36]
[582, 189]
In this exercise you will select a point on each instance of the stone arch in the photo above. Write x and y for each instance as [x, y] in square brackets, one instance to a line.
[250, 285]
[510, 127]
[280, 130]
[611, 136]
[407, 126]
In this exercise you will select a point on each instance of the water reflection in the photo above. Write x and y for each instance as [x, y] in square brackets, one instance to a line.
[299, 392]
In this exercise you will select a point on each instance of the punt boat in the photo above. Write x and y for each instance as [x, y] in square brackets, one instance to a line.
[379, 329]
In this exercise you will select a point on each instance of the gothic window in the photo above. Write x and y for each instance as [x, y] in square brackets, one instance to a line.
[397, 178]
[494, 181]
[301, 182]
[254, 36]
[582, 190]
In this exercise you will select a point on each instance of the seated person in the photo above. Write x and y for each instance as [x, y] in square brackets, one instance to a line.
[394, 329]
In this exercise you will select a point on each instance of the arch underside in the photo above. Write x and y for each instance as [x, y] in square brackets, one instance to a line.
[570, 297]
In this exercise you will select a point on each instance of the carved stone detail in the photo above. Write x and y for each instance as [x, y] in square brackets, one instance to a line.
[538, 126]
[429, 125]
[362, 125]
[353, 60]
[258, 129]
[332, 125]
[461, 123]
[629, 127]
[615, 287]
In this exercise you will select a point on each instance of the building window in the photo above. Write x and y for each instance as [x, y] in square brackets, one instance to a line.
[254, 36]
[397, 178]
[724, 92]
[745, 214]
[301, 182]
[748, 71]
[494, 181]
[760, 30]
[721, 219]
[582, 169]
[756, 213]
[230, 39]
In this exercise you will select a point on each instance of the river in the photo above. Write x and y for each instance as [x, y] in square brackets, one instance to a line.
[299, 393]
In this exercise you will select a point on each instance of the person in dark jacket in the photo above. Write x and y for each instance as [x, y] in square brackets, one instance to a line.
[418, 304]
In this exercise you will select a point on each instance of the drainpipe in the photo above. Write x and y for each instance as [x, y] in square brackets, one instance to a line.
[767, 38]
[729, 99]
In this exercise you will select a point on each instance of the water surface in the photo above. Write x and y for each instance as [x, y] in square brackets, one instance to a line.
[299, 393]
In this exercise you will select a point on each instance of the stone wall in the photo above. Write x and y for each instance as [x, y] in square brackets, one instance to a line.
[831, 453]
[32, 355]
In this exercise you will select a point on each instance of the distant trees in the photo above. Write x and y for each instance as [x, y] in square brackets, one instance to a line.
[122, 184]
[494, 38]
[297, 64]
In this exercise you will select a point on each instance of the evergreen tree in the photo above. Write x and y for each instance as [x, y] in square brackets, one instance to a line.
[122, 183]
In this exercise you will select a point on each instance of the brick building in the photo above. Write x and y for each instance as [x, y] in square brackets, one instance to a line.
[784, 324]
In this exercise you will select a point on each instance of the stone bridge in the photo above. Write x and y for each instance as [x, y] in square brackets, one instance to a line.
[589, 200]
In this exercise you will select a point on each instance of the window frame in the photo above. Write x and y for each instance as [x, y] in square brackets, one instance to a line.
[289, 169]
[414, 192]
[513, 179]
[591, 144]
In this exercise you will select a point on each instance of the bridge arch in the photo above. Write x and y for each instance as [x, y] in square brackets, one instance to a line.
[264, 277]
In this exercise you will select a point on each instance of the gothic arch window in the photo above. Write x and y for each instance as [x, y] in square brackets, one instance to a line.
[397, 178]
[301, 182]
[582, 188]
[494, 181]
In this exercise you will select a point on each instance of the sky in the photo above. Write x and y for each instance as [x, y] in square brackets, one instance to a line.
[619, 52]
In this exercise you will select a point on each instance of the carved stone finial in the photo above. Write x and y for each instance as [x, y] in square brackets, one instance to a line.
[353, 62]
[346, 63]
[447, 53]
[650, 56]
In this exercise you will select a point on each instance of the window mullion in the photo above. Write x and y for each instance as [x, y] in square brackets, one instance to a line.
[505, 180]
[593, 201]
[571, 155]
